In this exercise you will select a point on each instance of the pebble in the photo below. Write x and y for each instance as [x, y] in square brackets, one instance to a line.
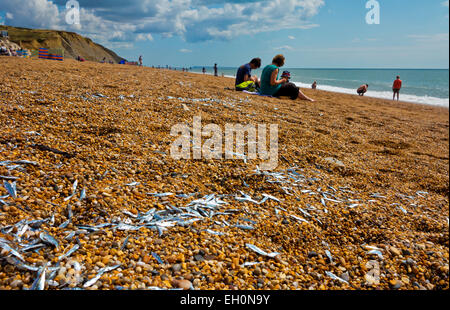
[176, 268]
[396, 284]
[184, 284]
[394, 251]
[312, 254]
[199, 258]
[345, 276]
[16, 283]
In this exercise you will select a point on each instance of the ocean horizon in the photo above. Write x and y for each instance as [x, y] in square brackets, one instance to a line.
[424, 86]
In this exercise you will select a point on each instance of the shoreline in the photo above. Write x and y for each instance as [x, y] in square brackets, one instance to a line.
[350, 92]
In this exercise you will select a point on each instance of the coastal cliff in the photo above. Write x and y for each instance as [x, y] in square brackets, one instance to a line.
[73, 44]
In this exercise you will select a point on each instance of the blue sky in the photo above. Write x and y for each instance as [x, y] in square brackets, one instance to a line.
[310, 33]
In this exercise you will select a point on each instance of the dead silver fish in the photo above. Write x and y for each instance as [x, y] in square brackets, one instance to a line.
[11, 188]
[69, 212]
[299, 219]
[99, 275]
[74, 188]
[376, 252]
[48, 239]
[92, 281]
[70, 235]
[334, 277]
[261, 252]
[21, 265]
[64, 225]
[39, 282]
[161, 195]
[271, 197]
[156, 256]
[244, 227]
[248, 264]
[124, 244]
[215, 232]
[70, 252]
[82, 194]
[6, 247]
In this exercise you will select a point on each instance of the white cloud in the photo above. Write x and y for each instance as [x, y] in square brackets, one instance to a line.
[436, 38]
[193, 20]
[144, 37]
[31, 13]
[291, 37]
[284, 47]
[184, 50]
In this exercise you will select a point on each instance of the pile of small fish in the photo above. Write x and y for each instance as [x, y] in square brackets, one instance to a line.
[289, 181]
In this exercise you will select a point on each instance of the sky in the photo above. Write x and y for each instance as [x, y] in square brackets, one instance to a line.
[310, 33]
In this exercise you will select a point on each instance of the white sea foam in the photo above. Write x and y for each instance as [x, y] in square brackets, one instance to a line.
[442, 102]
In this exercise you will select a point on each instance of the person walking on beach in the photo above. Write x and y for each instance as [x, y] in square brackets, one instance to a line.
[362, 89]
[204, 70]
[244, 73]
[314, 85]
[272, 86]
[140, 60]
[215, 70]
[396, 88]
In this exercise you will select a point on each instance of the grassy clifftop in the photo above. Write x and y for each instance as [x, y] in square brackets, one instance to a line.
[72, 43]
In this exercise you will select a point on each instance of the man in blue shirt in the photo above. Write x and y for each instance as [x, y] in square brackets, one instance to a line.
[244, 72]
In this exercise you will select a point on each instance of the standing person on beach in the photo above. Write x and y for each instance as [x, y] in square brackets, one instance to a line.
[362, 89]
[314, 85]
[140, 60]
[272, 86]
[215, 70]
[396, 88]
[244, 73]
[204, 70]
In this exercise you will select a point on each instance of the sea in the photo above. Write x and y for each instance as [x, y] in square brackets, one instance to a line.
[426, 86]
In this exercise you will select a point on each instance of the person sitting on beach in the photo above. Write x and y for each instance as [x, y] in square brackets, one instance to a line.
[396, 88]
[362, 89]
[272, 86]
[314, 85]
[244, 74]
[3, 50]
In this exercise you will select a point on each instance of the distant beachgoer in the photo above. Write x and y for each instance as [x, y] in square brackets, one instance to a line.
[140, 60]
[362, 89]
[215, 70]
[314, 85]
[244, 73]
[396, 88]
[204, 70]
[272, 86]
